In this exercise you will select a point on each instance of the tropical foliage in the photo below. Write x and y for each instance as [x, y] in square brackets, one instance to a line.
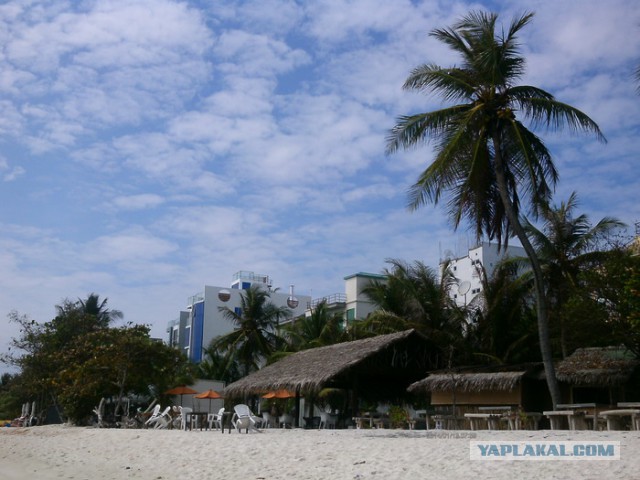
[77, 358]
[566, 245]
[487, 161]
[255, 331]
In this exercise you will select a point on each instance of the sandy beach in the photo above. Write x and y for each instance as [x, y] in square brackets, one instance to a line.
[57, 451]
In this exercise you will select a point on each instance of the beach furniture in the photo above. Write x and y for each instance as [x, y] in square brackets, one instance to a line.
[268, 420]
[327, 420]
[243, 419]
[151, 421]
[185, 417]
[576, 415]
[285, 421]
[215, 419]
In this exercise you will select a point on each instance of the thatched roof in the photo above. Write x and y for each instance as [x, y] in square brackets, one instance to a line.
[468, 382]
[476, 379]
[397, 357]
[598, 367]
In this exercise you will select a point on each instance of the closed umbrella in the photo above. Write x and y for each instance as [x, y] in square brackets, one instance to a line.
[210, 394]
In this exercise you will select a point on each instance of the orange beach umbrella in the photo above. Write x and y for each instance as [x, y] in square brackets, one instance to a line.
[210, 394]
[181, 390]
[279, 394]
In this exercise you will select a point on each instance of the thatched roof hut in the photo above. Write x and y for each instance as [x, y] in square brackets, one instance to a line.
[598, 367]
[485, 385]
[387, 362]
[469, 382]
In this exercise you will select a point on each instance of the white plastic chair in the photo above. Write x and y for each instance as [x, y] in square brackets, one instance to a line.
[185, 417]
[285, 420]
[215, 419]
[327, 420]
[268, 420]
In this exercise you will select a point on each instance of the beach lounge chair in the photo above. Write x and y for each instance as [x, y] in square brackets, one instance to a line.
[244, 419]
[164, 420]
[99, 411]
[151, 421]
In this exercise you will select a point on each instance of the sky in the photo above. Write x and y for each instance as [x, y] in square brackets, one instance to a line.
[151, 147]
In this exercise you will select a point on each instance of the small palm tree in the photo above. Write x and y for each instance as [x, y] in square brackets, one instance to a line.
[255, 335]
[565, 245]
[486, 159]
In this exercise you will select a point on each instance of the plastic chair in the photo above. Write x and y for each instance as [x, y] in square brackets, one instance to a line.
[285, 420]
[215, 419]
[327, 420]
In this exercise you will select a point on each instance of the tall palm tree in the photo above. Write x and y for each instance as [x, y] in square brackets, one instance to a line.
[565, 245]
[255, 335]
[486, 159]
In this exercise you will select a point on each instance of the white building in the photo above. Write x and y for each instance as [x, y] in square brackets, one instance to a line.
[353, 304]
[467, 269]
[202, 320]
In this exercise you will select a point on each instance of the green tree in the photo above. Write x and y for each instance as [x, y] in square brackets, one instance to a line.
[75, 359]
[117, 362]
[502, 322]
[486, 159]
[255, 334]
[565, 245]
[93, 306]
[320, 328]
[413, 297]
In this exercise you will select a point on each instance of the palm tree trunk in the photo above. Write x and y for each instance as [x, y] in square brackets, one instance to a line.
[541, 299]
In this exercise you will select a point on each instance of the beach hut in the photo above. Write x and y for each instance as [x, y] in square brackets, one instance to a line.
[468, 388]
[604, 375]
[382, 365]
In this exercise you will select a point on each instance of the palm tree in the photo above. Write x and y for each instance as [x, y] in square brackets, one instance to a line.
[412, 297]
[565, 245]
[321, 327]
[486, 159]
[93, 306]
[501, 316]
[255, 335]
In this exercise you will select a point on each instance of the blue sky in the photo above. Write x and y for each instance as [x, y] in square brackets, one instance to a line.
[151, 147]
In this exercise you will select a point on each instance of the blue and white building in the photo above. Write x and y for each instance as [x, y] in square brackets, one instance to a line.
[202, 320]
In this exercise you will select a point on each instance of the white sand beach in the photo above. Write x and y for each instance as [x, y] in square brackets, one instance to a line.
[64, 452]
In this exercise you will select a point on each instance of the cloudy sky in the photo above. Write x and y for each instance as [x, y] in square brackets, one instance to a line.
[151, 147]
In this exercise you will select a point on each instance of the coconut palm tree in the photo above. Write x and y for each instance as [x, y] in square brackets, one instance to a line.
[255, 335]
[413, 297]
[487, 160]
[93, 306]
[565, 245]
[502, 322]
[322, 327]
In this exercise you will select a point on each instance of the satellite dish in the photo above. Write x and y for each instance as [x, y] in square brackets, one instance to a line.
[464, 287]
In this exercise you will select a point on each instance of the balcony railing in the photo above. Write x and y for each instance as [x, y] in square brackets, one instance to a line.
[329, 300]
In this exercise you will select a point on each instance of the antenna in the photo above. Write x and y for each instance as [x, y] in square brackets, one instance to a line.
[464, 287]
